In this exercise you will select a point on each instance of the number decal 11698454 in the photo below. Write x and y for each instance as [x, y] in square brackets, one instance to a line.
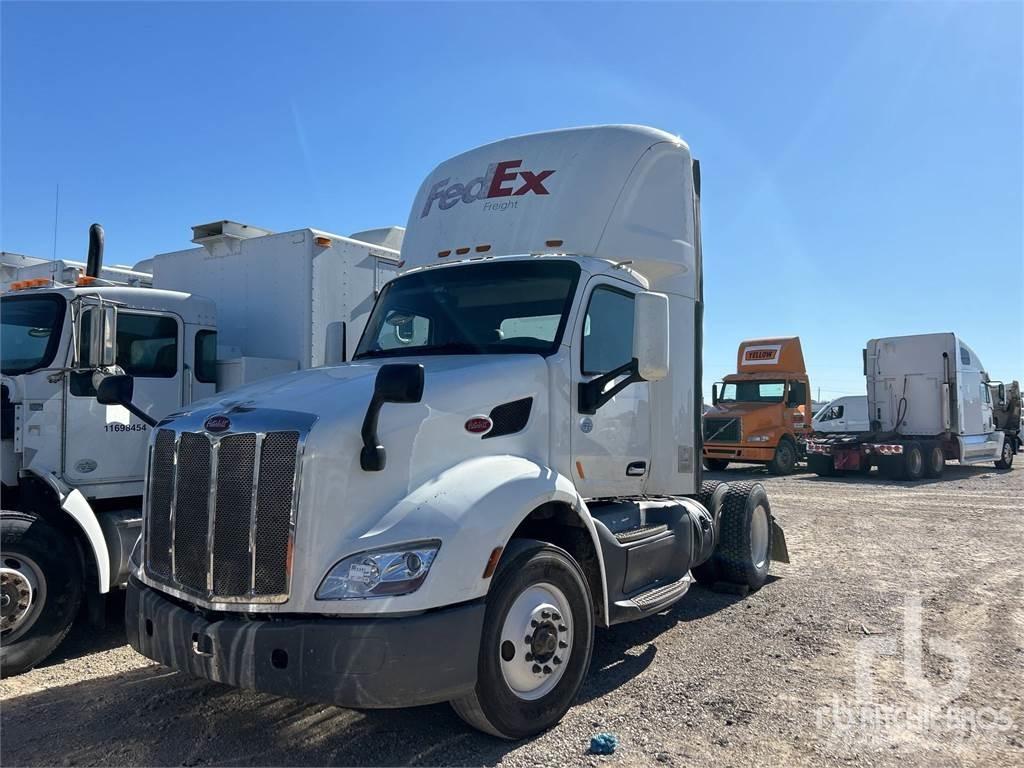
[118, 427]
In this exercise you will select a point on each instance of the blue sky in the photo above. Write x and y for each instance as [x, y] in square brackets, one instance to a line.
[862, 163]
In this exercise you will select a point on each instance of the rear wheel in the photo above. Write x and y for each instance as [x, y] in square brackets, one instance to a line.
[715, 465]
[913, 462]
[40, 590]
[536, 645]
[1006, 456]
[821, 465]
[784, 460]
[743, 555]
[934, 460]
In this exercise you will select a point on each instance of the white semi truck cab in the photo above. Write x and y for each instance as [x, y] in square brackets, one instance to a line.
[77, 416]
[511, 457]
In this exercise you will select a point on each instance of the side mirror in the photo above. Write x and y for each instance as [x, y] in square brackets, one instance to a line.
[650, 335]
[118, 389]
[399, 383]
[1002, 395]
[115, 390]
[714, 394]
[395, 383]
[102, 335]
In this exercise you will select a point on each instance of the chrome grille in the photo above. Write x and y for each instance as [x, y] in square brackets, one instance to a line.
[220, 513]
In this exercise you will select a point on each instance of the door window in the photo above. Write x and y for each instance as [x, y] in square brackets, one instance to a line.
[797, 393]
[607, 331]
[205, 366]
[147, 347]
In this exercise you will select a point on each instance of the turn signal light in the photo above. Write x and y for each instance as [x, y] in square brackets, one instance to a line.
[323, 242]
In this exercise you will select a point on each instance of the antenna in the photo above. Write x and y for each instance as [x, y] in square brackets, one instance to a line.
[56, 211]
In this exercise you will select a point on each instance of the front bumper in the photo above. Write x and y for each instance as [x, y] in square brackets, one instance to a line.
[361, 663]
[738, 452]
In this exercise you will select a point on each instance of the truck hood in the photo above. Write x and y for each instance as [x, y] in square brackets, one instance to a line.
[343, 509]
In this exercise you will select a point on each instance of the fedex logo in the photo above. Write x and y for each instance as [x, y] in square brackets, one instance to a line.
[501, 180]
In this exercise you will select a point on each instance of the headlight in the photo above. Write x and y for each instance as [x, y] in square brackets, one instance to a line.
[396, 570]
[759, 438]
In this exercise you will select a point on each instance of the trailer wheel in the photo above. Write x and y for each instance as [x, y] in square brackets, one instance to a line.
[40, 590]
[536, 645]
[1006, 457]
[712, 497]
[935, 460]
[784, 460]
[821, 465]
[715, 465]
[744, 552]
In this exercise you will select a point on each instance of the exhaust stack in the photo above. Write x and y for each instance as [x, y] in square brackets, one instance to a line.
[95, 260]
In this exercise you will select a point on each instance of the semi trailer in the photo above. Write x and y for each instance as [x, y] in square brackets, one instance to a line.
[244, 304]
[928, 401]
[762, 413]
[511, 458]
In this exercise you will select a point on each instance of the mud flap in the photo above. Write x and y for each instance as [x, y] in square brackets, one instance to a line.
[780, 552]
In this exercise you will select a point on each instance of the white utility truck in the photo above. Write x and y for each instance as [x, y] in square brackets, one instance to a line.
[73, 467]
[928, 401]
[843, 414]
[512, 457]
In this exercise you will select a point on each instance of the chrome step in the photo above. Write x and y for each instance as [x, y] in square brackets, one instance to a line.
[665, 594]
[636, 534]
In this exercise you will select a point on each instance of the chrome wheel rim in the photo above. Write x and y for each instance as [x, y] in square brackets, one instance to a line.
[22, 594]
[536, 641]
[1006, 452]
[914, 462]
[759, 537]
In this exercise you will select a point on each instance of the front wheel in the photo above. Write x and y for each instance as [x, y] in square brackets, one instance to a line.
[784, 460]
[535, 649]
[1006, 457]
[40, 590]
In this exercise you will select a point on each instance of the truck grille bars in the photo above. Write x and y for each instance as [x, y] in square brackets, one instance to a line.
[721, 430]
[220, 517]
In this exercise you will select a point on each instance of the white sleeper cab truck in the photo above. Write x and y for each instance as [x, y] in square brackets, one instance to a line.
[73, 465]
[928, 400]
[844, 414]
[511, 457]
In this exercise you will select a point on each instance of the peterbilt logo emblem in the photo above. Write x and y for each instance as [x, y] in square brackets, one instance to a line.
[217, 423]
[499, 180]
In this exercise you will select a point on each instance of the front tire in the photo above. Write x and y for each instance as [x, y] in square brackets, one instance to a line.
[40, 590]
[536, 645]
[1006, 457]
[784, 460]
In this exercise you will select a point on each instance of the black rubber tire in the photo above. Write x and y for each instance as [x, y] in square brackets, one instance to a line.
[732, 557]
[1006, 458]
[27, 534]
[493, 707]
[934, 460]
[821, 465]
[913, 462]
[712, 496]
[715, 465]
[784, 460]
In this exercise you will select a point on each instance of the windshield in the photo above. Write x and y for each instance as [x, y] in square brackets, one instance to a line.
[31, 331]
[486, 308]
[753, 392]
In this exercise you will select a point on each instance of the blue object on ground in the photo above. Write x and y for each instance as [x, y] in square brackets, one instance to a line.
[603, 743]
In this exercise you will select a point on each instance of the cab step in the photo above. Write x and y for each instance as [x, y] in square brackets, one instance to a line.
[638, 534]
[664, 595]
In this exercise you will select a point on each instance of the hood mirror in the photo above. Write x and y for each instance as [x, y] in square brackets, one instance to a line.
[395, 383]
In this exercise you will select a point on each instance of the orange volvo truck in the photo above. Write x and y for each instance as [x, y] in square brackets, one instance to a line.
[762, 413]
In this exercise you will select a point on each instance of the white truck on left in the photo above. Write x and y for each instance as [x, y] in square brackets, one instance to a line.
[76, 415]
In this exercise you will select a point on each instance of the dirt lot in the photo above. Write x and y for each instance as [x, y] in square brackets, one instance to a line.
[896, 636]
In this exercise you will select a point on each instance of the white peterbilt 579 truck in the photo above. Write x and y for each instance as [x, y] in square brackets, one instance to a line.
[512, 456]
[72, 466]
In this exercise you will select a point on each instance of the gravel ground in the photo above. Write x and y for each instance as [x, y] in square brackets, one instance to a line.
[895, 637]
